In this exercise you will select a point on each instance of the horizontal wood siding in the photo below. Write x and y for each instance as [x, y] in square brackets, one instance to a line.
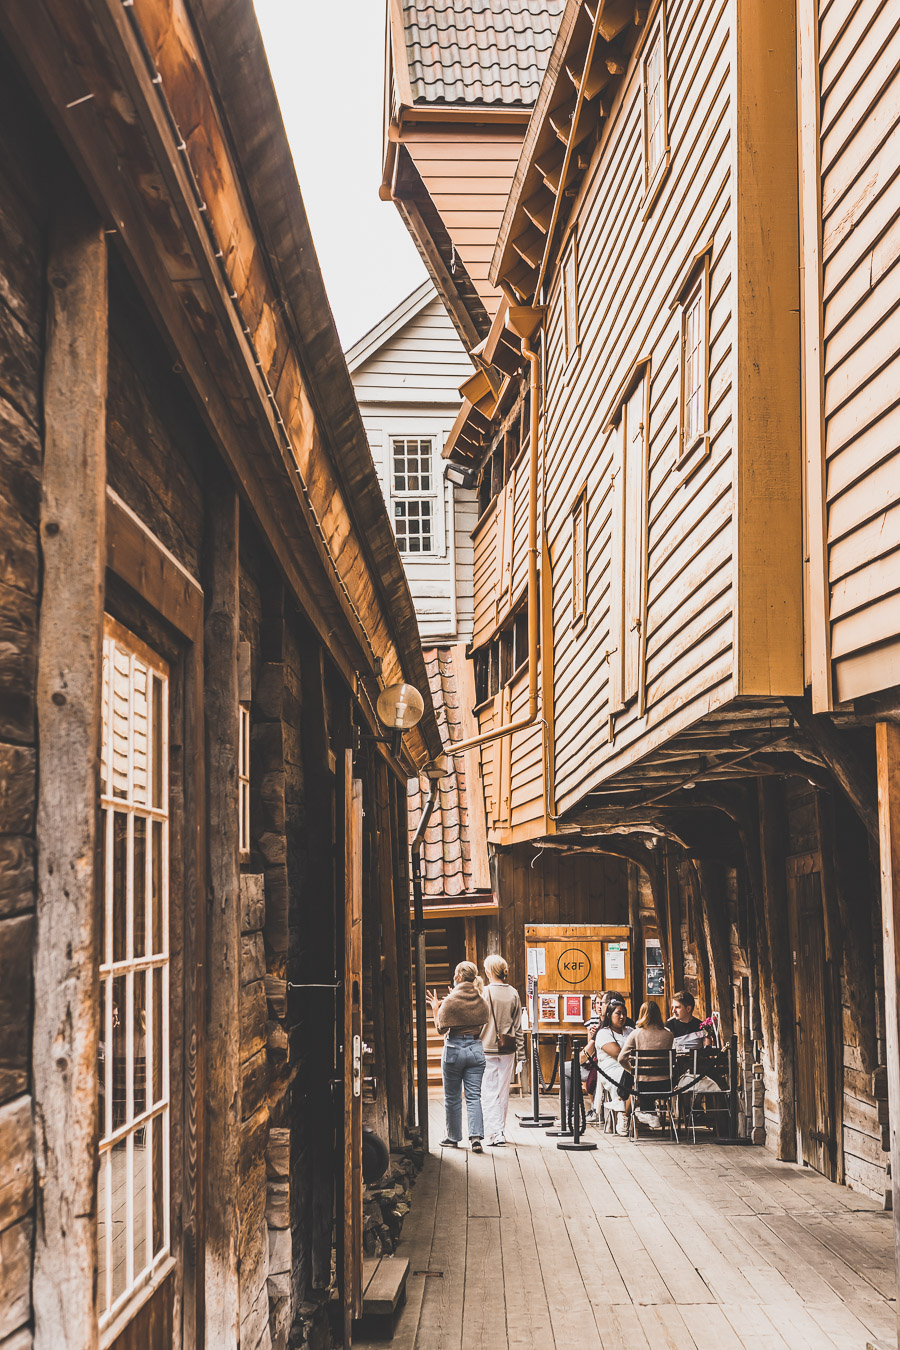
[526, 751]
[424, 361]
[860, 102]
[486, 568]
[409, 386]
[628, 271]
[469, 179]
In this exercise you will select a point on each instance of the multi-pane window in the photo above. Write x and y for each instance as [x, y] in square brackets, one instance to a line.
[655, 113]
[133, 1071]
[570, 300]
[244, 779]
[413, 494]
[579, 544]
[694, 362]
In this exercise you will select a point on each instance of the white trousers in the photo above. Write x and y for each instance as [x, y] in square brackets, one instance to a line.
[495, 1092]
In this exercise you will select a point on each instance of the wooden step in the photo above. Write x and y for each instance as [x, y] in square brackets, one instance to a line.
[384, 1291]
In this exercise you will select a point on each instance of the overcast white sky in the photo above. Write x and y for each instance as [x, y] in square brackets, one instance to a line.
[327, 60]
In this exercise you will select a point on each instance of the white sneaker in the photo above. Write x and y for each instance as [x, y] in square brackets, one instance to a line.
[621, 1123]
[649, 1118]
[499, 1139]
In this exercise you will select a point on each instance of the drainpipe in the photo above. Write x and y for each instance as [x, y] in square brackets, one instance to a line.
[524, 320]
[415, 849]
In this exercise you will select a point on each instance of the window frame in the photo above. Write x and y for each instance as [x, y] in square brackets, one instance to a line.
[696, 286]
[116, 1310]
[578, 516]
[569, 290]
[434, 496]
[653, 177]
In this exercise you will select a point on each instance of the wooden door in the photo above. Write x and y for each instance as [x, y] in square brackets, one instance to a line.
[814, 1014]
[352, 1244]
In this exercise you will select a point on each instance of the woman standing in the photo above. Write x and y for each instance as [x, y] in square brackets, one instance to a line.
[460, 1019]
[504, 1042]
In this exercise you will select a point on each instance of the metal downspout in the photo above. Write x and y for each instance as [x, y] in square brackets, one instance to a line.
[415, 849]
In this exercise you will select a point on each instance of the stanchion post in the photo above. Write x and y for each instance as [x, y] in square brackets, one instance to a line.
[535, 1120]
[576, 1107]
[563, 1131]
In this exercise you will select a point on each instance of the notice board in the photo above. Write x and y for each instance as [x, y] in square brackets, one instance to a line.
[571, 963]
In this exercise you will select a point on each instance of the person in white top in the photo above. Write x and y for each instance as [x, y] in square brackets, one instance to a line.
[504, 1043]
[611, 1036]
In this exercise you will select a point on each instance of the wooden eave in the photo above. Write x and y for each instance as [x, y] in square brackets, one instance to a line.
[561, 135]
[251, 327]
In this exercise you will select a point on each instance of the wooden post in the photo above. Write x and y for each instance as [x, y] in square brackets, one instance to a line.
[711, 906]
[394, 1048]
[223, 908]
[887, 744]
[66, 1016]
[772, 845]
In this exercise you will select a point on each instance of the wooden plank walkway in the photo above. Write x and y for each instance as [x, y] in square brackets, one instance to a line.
[649, 1246]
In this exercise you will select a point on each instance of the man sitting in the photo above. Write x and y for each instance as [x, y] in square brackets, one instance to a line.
[683, 1024]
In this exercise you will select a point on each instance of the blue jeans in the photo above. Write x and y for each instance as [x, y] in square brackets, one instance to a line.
[462, 1064]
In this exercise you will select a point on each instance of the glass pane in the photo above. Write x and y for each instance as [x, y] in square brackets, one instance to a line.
[119, 712]
[140, 886]
[160, 1126]
[101, 1059]
[158, 765]
[140, 1041]
[141, 1198]
[156, 887]
[102, 1197]
[119, 1188]
[119, 1069]
[120, 873]
[140, 750]
[158, 1047]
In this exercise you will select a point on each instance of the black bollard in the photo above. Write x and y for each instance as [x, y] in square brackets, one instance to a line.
[535, 1120]
[576, 1107]
[563, 1131]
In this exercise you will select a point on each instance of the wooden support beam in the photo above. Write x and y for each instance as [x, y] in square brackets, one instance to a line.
[66, 1005]
[390, 974]
[223, 908]
[853, 775]
[711, 889]
[887, 748]
[772, 851]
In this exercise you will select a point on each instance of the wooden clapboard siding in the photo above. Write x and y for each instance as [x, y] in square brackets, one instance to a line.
[468, 177]
[526, 760]
[406, 373]
[628, 270]
[860, 185]
[485, 571]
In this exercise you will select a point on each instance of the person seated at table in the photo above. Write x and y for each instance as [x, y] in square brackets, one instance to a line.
[611, 1075]
[683, 1023]
[588, 1057]
[649, 1034]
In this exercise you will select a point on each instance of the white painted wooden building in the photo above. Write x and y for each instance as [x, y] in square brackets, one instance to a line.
[407, 371]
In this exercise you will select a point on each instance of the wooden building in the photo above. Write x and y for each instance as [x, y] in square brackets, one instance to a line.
[203, 889]
[705, 278]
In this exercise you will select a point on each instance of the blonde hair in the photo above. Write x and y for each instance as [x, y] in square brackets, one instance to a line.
[467, 972]
[650, 1016]
[496, 968]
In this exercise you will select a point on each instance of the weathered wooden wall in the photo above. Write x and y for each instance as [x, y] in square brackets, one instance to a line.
[859, 51]
[23, 220]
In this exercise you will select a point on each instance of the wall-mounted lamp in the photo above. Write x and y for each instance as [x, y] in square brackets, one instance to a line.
[460, 475]
[399, 708]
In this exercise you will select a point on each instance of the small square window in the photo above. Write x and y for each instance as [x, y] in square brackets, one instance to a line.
[413, 526]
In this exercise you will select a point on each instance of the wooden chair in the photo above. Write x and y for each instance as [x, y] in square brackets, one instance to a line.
[656, 1067]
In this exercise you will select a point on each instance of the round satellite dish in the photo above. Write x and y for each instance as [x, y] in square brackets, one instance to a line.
[400, 706]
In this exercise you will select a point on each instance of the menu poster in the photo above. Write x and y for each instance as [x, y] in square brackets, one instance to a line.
[548, 1007]
[573, 1011]
[615, 962]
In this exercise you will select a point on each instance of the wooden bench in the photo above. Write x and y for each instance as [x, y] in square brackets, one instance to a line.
[384, 1292]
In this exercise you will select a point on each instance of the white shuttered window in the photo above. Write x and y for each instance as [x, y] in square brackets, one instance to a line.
[133, 1178]
[413, 494]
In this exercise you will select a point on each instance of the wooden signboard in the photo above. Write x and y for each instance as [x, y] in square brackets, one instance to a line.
[578, 961]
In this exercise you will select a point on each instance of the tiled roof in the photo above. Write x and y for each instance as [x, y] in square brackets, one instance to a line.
[479, 51]
[447, 864]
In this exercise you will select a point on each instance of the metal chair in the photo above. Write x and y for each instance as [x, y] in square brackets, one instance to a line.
[716, 1066]
[657, 1068]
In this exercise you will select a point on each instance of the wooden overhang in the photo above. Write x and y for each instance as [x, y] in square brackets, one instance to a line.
[171, 117]
[499, 358]
[594, 45]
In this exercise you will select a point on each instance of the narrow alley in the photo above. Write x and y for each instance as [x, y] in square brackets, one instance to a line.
[639, 1246]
